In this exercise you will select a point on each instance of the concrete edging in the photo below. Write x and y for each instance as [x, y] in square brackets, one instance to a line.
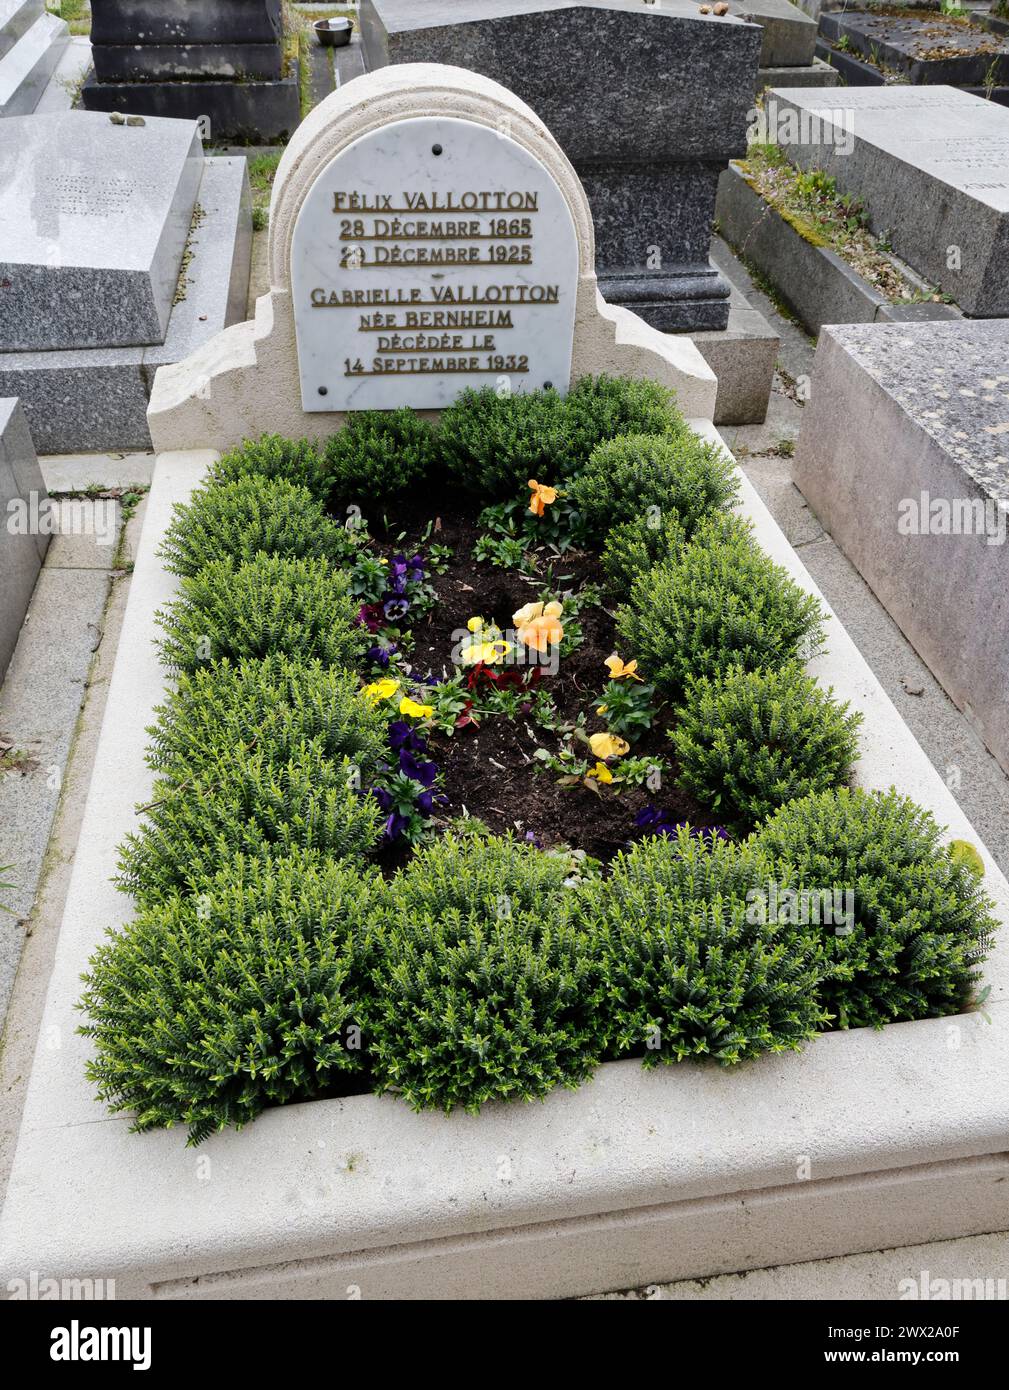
[816, 282]
[864, 1140]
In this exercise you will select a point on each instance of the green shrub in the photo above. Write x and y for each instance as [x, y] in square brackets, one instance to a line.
[601, 407]
[635, 477]
[748, 741]
[293, 460]
[635, 547]
[380, 454]
[494, 444]
[253, 516]
[687, 972]
[483, 992]
[275, 704]
[204, 1012]
[242, 801]
[719, 603]
[269, 604]
[920, 923]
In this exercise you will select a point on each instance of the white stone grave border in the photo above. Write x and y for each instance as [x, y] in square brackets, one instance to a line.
[636, 1177]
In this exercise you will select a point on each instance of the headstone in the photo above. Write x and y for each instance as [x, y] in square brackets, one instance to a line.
[931, 165]
[649, 102]
[904, 458]
[221, 62]
[32, 41]
[121, 247]
[788, 45]
[426, 234]
[93, 223]
[429, 256]
[22, 545]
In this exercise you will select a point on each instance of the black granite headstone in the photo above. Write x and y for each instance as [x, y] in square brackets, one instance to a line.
[649, 102]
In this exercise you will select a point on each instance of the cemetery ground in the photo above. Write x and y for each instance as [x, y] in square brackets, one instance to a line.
[462, 724]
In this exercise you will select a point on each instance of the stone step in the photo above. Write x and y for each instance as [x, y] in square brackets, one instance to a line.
[17, 16]
[27, 67]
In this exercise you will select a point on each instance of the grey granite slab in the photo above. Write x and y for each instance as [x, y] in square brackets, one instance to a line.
[16, 18]
[183, 21]
[29, 63]
[925, 48]
[931, 165]
[23, 543]
[648, 101]
[93, 222]
[789, 35]
[904, 457]
[97, 399]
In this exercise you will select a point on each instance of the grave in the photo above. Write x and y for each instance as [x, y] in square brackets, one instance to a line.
[907, 1133]
[916, 48]
[648, 102]
[32, 41]
[788, 47]
[221, 62]
[22, 550]
[904, 457]
[121, 247]
[930, 165]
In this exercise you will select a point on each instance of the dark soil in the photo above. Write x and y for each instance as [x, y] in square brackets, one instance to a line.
[488, 768]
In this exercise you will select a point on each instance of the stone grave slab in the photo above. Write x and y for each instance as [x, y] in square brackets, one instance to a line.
[904, 458]
[931, 165]
[94, 218]
[924, 48]
[789, 36]
[194, 271]
[219, 62]
[22, 546]
[32, 41]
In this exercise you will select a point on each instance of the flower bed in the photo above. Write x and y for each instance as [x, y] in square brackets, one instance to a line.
[683, 872]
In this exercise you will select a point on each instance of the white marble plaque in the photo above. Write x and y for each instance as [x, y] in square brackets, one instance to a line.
[431, 255]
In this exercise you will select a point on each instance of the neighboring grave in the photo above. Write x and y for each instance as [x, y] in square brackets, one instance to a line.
[788, 47]
[32, 41]
[221, 62]
[923, 48]
[649, 102]
[121, 247]
[426, 234]
[904, 458]
[931, 165]
[22, 545]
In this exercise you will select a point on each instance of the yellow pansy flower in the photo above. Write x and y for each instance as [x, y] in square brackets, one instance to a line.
[380, 690]
[539, 626]
[608, 746]
[487, 652]
[541, 498]
[413, 709]
[602, 773]
[619, 669]
[475, 624]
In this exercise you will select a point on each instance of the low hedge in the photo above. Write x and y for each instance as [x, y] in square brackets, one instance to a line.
[687, 971]
[716, 605]
[919, 923]
[235, 522]
[267, 605]
[748, 741]
[204, 1012]
[485, 969]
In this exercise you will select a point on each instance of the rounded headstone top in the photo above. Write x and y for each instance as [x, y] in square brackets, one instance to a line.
[404, 92]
